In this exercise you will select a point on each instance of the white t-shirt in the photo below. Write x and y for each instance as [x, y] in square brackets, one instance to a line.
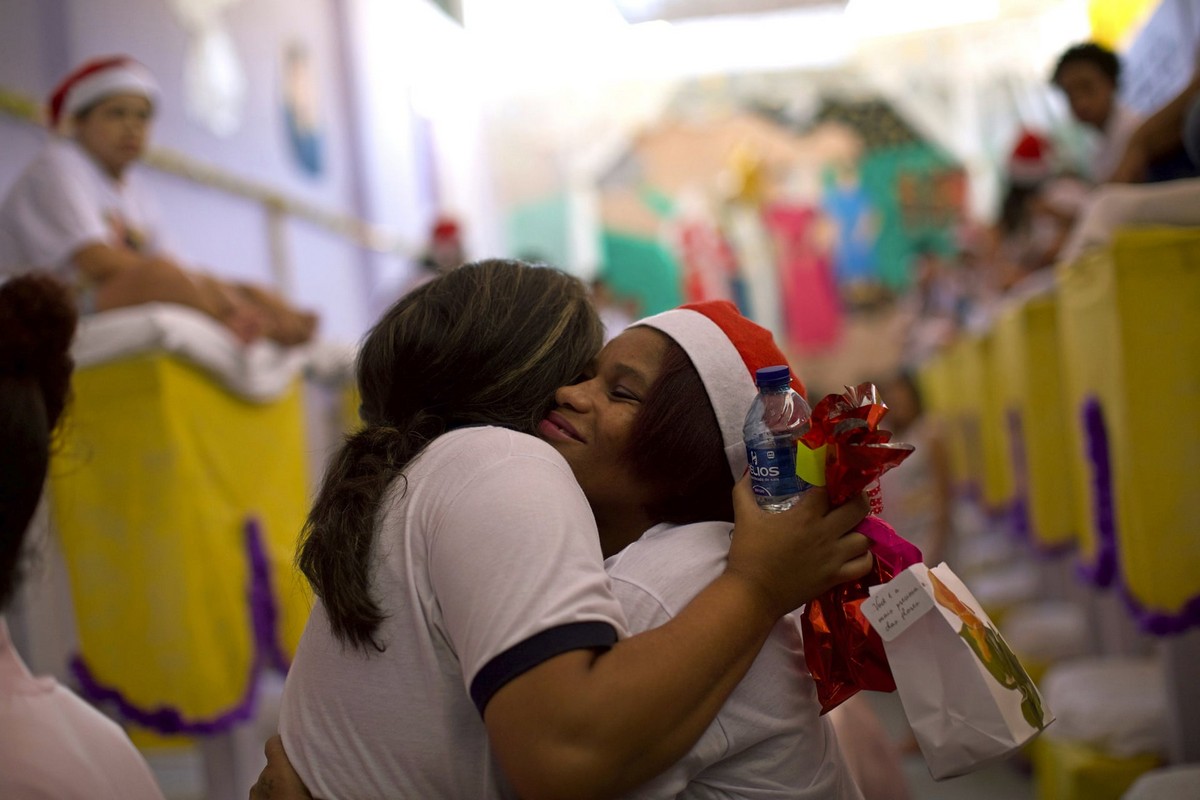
[1122, 123]
[54, 746]
[486, 565]
[64, 201]
[768, 740]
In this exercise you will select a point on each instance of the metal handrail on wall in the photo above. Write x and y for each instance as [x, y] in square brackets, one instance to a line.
[277, 205]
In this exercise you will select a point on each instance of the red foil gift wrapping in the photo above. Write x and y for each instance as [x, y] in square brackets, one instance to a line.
[843, 652]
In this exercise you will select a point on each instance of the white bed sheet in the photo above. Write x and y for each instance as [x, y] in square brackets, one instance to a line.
[259, 372]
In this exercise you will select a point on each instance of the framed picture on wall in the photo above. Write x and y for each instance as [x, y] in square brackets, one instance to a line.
[301, 108]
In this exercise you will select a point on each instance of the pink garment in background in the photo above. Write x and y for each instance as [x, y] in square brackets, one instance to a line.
[812, 312]
[874, 759]
[54, 746]
[708, 263]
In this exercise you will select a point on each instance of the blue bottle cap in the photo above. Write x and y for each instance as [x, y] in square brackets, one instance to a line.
[773, 377]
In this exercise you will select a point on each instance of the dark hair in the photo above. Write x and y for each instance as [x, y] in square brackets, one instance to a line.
[1097, 55]
[698, 485]
[1014, 214]
[37, 323]
[485, 344]
[906, 376]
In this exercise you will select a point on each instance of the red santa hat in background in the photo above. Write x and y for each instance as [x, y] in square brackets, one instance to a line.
[1032, 158]
[726, 349]
[445, 229]
[95, 80]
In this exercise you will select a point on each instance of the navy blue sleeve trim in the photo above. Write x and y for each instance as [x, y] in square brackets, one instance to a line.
[540, 647]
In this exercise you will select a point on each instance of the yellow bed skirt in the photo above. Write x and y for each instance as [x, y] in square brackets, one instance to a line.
[939, 387]
[1065, 770]
[1130, 341]
[178, 505]
[1030, 389]
[965, 392]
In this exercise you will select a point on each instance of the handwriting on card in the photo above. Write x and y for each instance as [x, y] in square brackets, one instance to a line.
[895, 605]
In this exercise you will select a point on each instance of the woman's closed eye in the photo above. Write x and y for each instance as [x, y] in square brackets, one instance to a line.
[620, 392]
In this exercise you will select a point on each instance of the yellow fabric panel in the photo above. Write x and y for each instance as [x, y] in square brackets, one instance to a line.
[1113, 21]
[1131, 336]
[150, 742]
[1029, 366]
[937, 382]
[1157, 440]
[981, 380]
[966, 403]
[1087, 331]
[350, 400]
[1065, 770]
[159, 470]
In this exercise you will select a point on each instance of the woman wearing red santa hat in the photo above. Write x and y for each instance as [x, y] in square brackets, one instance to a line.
[81, 211]
[1040, 204]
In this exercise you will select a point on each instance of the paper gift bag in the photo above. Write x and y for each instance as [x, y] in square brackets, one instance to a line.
[968, 700]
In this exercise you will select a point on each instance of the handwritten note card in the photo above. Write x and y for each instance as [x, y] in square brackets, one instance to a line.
[895, 605]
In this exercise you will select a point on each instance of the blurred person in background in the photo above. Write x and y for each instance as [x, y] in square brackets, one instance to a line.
[53, 745]
[918, 494]
[1040, 203]
[81, 211]
[1088, 74]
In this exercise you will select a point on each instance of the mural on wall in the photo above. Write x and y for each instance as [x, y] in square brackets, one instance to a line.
[799, 228]
[804, 239]
[302, 109]
[214, 80]
[729, 209]
[916, 194]
[856, 224]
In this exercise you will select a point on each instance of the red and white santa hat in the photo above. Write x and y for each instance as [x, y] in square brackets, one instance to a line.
[95, 80]
[1032, 158]
[726, 349]
[444, 229]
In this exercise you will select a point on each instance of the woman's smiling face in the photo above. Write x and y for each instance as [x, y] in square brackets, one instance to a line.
[592, 425]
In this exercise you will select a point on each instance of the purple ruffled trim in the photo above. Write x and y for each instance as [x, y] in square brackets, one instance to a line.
[165, 719]
[970, 492]
[263, 612]
[1161, 623]
[1106, 571]
[969, 489]
[267, 653]
[1019, 522]
[1095, 434]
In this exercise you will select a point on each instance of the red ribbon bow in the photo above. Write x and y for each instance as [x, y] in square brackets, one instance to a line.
[857, 451]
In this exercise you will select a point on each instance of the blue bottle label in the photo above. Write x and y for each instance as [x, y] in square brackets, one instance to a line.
[773, 469]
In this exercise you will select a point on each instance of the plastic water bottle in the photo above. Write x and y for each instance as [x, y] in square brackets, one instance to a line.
[777, 417]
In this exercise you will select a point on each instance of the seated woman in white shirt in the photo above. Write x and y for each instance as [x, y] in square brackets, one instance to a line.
[53, 745]
[80, 210]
